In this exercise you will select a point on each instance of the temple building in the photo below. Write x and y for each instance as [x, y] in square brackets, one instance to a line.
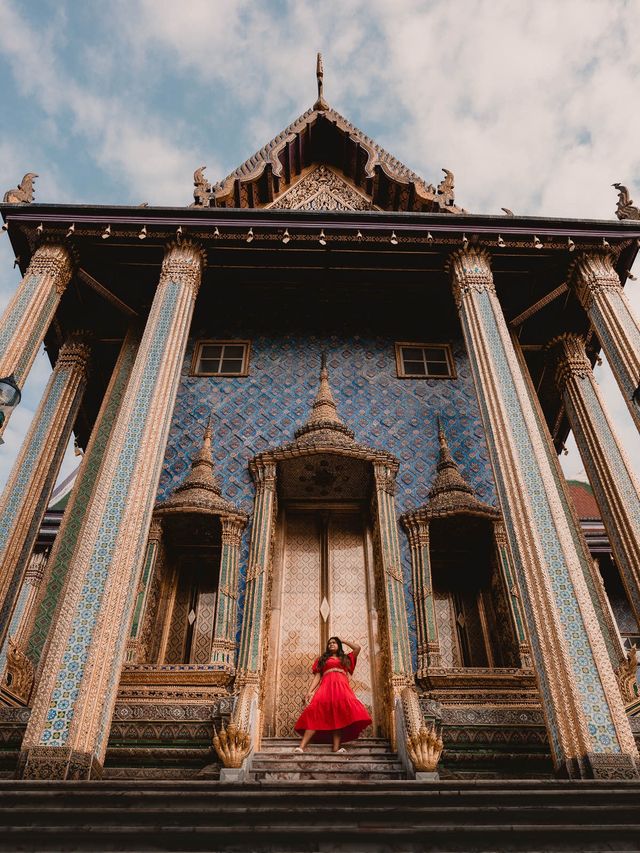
[320, 399]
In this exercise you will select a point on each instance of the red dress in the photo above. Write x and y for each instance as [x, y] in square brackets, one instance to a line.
[334, 706]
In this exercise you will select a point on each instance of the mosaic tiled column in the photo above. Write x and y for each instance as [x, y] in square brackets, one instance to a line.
[512, 594]
[588, 729]
[610, 473]
[33, 477]
[25, 604]
[400, 653]
[29, 314]
[67, 733]
[154, 546]
[223, 648]
[426, 624]
[250, 654]
[598, 288]
[62, 552]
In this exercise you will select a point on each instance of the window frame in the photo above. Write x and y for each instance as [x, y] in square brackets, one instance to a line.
[400, 371]
[197, 358]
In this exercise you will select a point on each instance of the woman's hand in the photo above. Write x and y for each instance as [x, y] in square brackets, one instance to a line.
[308, 697]
[353, 646]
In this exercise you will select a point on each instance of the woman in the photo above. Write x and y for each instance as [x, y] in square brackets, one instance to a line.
[333, 714]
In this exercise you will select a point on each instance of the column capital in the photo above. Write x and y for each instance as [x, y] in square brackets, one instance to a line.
[75, 352]
[385, 478]
[55, 260]
[264, 475]
[416, 528]
[183, 262]
[568, 356]
[155, 529]
[591, 273]
[232, 527]
[470, 270]
[499, 533]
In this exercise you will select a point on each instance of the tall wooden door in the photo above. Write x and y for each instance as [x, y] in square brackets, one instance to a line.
[322, 587]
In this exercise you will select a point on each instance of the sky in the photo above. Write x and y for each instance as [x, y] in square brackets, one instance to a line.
[532, 105]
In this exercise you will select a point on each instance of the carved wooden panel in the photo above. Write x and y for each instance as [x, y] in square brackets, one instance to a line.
[348, 596]
[203, 627]
[178, 630]
[300, 615]
[446, 629]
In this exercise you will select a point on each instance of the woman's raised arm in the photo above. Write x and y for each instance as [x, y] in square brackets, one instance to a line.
[353, 646]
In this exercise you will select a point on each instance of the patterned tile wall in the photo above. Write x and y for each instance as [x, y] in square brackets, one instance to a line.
[262, 410]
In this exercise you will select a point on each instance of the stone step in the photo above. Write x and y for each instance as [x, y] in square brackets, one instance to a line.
[294, 838]
[361, 741]
[326, 755]
[325, 750]
[319, 761]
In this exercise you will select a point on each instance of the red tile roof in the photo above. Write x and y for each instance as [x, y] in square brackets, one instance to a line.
[583, 500]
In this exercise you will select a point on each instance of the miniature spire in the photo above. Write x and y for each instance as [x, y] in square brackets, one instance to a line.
[449, 487]
[324, 412]
[324, 406]
[201, 474]
[320, 104]
[200, 490]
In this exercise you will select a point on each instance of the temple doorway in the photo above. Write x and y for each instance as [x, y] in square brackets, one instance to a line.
[323, 585]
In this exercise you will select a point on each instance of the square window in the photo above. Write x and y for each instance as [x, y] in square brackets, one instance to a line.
[424, 361]
[221, 358]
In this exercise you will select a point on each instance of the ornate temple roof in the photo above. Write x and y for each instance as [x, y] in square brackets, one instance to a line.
[321, 136]
[450, 493]
[200, 491]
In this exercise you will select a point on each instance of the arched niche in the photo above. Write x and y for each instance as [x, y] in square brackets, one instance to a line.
[185, 620]
[469, 621]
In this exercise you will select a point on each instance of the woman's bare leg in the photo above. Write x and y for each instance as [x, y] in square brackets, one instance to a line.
[306, 737]
[336, 741]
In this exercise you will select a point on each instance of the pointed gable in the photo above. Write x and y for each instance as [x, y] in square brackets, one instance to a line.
[357, 173]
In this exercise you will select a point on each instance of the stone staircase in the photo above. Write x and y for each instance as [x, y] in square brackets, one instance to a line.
[366, 759]
[318, 817]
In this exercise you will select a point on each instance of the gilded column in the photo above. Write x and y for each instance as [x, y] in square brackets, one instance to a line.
[392, 572]
[223, 648]
[598, 288]
[154, 546]
[67, 733]
[25, 604]
[588, 729]
[33, 476]
[426, 625]
[36, 628]
[512, 594]
[252, 636]
[30, 311]
[610, 473]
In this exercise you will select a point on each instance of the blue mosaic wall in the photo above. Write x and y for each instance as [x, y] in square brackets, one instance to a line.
[262, 410]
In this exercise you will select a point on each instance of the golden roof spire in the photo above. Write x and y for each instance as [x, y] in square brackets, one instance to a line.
[324, 412]
[449, 480]
[320, 104]
[201, 474]
[324, 406]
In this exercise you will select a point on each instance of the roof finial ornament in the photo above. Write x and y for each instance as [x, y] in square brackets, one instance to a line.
[625, 208]
[324, 412]
[320, 104]
[23, 193]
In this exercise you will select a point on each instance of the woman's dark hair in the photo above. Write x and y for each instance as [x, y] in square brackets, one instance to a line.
[346, 660]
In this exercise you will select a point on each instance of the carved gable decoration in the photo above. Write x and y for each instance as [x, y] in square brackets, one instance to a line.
[325, 143]
[322, 189]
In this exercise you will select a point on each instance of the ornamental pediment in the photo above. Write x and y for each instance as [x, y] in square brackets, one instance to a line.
[323, 189]
[358, 174]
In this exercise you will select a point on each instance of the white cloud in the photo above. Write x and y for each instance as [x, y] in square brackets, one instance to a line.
[150, 154]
